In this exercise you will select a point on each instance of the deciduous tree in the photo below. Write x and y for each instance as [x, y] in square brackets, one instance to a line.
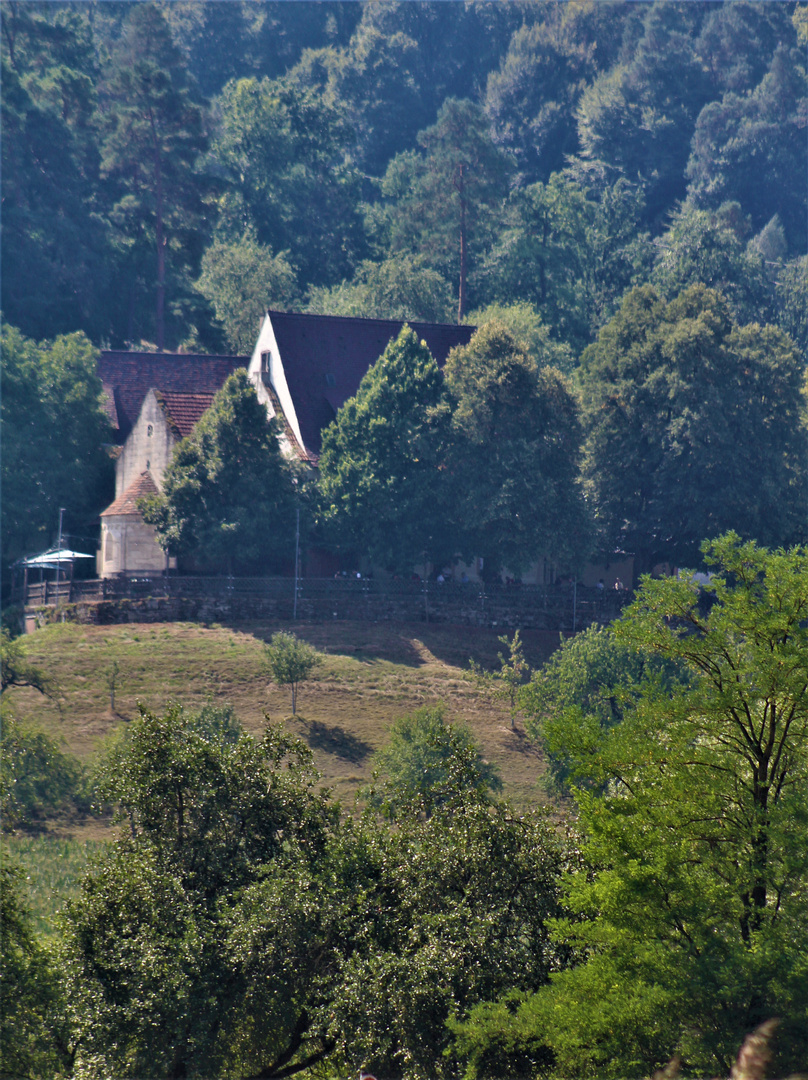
[401, 287]
[693, 426]
[54, 431]
[381, 469]
[417, 770]
[214, 830]
[458, 905]
[290, 662]
[752, 148]
[583, 690]
[513, 461]
[687, 913]
[693, 893]
[227, 497]
[242, 280]
[34, 1039]
[281, 148]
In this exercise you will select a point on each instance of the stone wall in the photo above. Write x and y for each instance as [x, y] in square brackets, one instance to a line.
[322, 601]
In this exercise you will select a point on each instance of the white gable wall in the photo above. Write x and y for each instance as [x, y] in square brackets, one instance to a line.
[267, 344]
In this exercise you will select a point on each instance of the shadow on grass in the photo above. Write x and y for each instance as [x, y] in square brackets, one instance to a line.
[335, 740]
[406, 643]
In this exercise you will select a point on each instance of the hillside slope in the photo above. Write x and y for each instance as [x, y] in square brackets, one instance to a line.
[372, 674]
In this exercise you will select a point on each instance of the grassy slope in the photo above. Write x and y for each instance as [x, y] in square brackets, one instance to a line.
[373, 673]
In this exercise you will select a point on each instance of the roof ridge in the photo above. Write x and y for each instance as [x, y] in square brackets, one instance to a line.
[363, 319]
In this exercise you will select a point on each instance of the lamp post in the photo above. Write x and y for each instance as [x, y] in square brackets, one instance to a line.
[297, 558]
[297, 549]
[59, 556]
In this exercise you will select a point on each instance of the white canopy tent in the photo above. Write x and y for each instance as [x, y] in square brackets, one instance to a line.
[54, 559]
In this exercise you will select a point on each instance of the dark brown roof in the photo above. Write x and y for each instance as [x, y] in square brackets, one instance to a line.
[325, 357]
[184, 410]
[128, 376]
[138, 489]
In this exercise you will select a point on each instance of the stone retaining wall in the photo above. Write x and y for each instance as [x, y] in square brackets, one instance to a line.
[505, 609]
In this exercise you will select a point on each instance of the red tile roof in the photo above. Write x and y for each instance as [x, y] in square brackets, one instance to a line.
[128, 376]
[184, 410]
[325, 357]
[127, 502]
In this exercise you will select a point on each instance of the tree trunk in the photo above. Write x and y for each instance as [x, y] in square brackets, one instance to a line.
[462, 303]
[159, 227]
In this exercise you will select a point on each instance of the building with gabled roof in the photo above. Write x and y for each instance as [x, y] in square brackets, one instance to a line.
[127, 542]
[307, 366]
[304, 368]
[128, 376]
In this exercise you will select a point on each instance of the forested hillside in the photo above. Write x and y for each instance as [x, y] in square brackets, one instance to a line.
[622, 186]
[615, 195]
[169, 170]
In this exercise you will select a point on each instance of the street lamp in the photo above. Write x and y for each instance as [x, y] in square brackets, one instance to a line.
[297, 551]
[59, 556]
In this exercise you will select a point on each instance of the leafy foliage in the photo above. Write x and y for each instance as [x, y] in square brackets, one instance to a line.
[54, 431]
[16, 669]
[514, 671]
[418, 769]
[525, 325]
[33, 1033]
[693, 427]
[280, 148]
[157, 982]
[38, 778]
[740, 139]
[380, 471]
[457, 908]
[227, 493]
[242, 279]
[153, 134]
[691, 900]
[583, 690]
[440, 201]
[400, 287]
[514, 453]
[290, 661]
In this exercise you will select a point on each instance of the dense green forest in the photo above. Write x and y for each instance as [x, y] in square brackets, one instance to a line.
[615, 193]
[169, 170]
[622, 186]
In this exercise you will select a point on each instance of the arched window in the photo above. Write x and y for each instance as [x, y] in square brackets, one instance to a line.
[109, 547]
[150, 430]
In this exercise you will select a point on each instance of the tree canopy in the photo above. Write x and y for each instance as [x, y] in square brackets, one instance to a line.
[380, 470]
[346, 138]
[695, 849]
[513, 465]
[54, 435]
[693, 426]
[686, 914]
[417, 770]
[227, 496]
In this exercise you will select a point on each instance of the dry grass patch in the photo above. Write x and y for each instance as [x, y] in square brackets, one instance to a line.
[372, 674]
